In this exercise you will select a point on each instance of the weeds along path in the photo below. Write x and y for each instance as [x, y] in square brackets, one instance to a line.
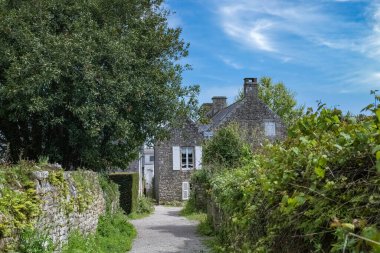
[166, 232]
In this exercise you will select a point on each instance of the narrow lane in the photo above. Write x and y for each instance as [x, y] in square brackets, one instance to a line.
[166, 232]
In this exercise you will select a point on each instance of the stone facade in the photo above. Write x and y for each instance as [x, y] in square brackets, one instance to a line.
[251, 115]
[168, 182]
[257, 122]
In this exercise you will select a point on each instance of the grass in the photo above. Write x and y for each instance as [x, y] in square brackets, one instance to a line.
[174, 203]
[136, 216]
[114, 234]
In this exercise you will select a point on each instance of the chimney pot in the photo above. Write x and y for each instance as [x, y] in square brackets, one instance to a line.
[250, 87]
[218, 104]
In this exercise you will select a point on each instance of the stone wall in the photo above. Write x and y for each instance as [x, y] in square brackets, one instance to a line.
[56, 220]
[168, 182]
[71, 200]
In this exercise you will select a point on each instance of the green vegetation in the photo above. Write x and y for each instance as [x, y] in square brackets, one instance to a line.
[318, 191]
[144, 208]
[110, 191]
[129, 190]
[145, 205]
[32, 241]
[114, 234]
[226, 148]
[279, 99]
[86, 84]
[19, 202]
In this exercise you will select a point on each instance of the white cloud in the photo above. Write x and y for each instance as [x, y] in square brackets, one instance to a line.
[230, 62]
[310, 33]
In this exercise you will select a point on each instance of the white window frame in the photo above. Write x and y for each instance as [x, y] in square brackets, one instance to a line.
[270, 128]
[185, 190]
[187, 166]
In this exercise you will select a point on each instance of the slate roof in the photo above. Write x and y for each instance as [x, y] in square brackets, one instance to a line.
[221, 116]
[218, 118]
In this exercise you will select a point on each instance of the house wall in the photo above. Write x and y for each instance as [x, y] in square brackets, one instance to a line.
[168, 182]
[251, 116]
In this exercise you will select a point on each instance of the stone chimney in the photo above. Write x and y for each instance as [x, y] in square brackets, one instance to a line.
[250, 87]
[218, 104]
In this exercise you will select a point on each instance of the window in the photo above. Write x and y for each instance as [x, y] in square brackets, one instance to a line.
[151, 158]
[185, 190]
[208, 134]
[187, 158]
[270, 129]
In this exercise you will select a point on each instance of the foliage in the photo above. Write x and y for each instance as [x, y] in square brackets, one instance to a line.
[32, 241]
[225, 148]
[174, 203]
[19, 202]
[279, 99]
[114, 234]
[200, 179]
[145, 205]
[129, 190]
[87, 82]
[308, 194]
[110, 191]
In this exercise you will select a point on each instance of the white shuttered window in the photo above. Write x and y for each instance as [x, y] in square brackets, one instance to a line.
[176, 158]
[185, 190]
[198, 157]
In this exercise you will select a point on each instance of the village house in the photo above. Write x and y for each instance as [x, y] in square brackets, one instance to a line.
[180, 155]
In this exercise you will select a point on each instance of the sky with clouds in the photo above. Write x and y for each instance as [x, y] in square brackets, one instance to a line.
[326, 50]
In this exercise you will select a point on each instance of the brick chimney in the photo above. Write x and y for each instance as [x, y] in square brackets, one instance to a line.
[218, 104]
[250, 87]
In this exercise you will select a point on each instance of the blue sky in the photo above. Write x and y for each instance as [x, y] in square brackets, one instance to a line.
[326, 50]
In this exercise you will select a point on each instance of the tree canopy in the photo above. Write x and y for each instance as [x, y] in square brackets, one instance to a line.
[279, 99]
[86, 82]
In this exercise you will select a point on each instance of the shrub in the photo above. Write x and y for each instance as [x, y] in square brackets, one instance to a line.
[226, 148]
[316, 192]
[128, 187]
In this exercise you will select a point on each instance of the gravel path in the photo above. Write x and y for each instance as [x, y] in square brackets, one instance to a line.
[166, 232]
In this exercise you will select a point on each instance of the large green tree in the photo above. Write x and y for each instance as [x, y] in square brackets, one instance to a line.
[279, 99]
[86, 82]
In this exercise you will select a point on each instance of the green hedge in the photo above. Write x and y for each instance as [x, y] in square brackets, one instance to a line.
[129, 189]
[318, 191]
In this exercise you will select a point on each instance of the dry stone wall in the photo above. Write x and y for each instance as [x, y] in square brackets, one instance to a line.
[60, 214]
[69, 200]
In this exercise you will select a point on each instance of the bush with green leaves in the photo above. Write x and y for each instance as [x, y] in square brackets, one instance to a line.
[318, 191]
[226, 148]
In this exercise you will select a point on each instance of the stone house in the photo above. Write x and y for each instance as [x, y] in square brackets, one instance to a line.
[175, 160]
[180, 155]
